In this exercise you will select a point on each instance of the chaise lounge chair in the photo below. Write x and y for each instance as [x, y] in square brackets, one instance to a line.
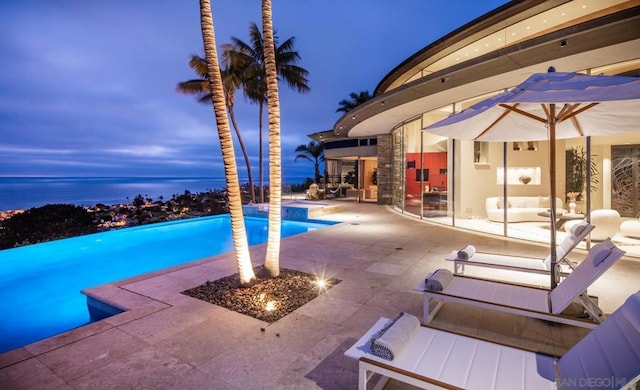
[608, 357]
[525, 264]
[526, 300]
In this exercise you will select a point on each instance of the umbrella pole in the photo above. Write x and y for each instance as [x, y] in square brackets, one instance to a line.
[588, 211]
[552, 180]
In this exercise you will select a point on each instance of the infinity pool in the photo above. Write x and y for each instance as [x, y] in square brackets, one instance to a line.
[40, 284]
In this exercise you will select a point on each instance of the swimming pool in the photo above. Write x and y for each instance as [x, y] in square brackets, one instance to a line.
[40, 284]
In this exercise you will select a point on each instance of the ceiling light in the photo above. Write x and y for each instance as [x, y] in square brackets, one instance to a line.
[353, 117]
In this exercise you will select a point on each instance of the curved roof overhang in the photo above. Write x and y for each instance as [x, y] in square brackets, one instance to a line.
[605, 40]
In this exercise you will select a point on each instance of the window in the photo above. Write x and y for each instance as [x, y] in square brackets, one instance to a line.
[422, 174]
[480, 152]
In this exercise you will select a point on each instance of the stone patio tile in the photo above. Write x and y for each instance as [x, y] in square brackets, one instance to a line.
[299, 334]
[14, 356]
[66, 338]
[356, 289]
[166, 323]
[397, 301]
[29, 374]
[143, 369]
[79, 358]
[253, 364]
[202, 342]
[387, 269]
[328, 309]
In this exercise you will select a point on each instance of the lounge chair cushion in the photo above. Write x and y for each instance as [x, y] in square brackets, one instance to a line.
[584, 275]
[461, 361]
[609, 357]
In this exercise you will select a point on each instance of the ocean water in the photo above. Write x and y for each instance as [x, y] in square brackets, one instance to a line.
[26, 192]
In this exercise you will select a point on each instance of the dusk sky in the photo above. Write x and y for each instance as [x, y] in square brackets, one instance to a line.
[87, 87]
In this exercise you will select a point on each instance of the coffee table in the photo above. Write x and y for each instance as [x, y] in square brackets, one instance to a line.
[562, 218]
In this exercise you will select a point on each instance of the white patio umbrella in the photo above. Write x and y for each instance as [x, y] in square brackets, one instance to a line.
[550, 106]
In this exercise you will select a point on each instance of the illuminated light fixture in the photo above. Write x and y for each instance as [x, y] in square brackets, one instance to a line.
[322, 284]
[382, 102]
[341, 127]
[353, 117]
[513, 33]
[486, 45]
[584, 6]
[563, 43]
[270, 306]
[544, 21]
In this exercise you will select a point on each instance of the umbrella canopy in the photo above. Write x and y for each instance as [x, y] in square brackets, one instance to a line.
[549, 106]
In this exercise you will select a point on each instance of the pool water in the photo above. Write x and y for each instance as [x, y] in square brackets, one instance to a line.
[40, 284]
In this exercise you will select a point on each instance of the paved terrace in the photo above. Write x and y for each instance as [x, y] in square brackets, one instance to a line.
[169, 341]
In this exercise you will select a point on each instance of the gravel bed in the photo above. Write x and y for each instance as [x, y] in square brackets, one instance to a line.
[268, 299]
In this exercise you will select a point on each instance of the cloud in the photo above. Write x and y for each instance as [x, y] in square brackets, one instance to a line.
[143, 151]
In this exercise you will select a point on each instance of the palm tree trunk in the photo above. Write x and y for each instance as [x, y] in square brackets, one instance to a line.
[272, 260]
[244, 153]
[260, 153]
[238, 230]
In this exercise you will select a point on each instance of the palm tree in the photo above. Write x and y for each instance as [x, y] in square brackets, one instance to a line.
[232, 80]
[272, 259]
[314, 152]
[238, 230]
[355, 100]
[255, 86]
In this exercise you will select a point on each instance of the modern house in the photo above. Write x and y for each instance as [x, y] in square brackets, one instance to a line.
[457, 182]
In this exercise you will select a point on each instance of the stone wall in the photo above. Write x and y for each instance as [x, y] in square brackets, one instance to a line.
[385, 169]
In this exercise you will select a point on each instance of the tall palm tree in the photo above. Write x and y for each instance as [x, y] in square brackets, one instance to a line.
[231, 80]
[355, 99]
[238, 230]
[272, 259]
[255, 86]
[314, 152]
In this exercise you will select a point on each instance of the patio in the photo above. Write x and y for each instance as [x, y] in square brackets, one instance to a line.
[168, 340]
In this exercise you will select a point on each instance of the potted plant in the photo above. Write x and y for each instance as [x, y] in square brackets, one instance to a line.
[576, 173]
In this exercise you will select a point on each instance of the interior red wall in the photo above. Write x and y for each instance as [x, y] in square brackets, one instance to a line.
[433, 161]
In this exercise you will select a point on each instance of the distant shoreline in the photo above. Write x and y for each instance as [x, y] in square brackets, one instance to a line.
[25, 192]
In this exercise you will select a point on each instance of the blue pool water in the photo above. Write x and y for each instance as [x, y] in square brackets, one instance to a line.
[40, 284]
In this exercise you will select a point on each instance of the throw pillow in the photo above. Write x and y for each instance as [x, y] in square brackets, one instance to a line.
[544, 201]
